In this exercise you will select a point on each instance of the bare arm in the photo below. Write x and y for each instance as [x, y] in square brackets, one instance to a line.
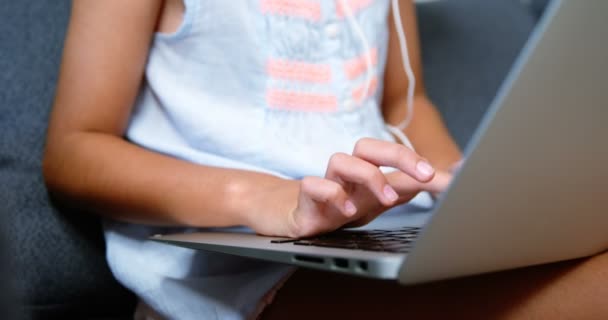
[89, 163]
[427, 131]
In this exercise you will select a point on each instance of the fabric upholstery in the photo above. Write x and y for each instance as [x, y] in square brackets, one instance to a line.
[468, 47]
[7, 296]
[538, 6]
[59, 264]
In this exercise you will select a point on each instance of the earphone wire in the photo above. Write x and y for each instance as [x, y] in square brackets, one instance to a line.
[407, 66]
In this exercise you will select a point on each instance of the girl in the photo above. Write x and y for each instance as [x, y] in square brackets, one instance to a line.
[270, 114]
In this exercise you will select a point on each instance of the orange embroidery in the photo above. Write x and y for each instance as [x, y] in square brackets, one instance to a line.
[299, 71]
[306, 9]
[357, 66]
[354, 6]
[359, 94]
[291, 100]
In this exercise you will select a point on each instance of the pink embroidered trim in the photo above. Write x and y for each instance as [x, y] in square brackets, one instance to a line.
[354, 5]
[357, 66]
[359, 94]
[307, 9]
[290, 100]
[299, 71]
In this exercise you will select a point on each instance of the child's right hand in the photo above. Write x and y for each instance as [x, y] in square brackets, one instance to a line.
[354, 191]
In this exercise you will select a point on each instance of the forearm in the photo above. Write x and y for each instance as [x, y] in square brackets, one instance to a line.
[89, 165]
[105, 174]
[427, 132]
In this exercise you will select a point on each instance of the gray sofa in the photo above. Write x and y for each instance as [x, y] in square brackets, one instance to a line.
[6, 292]
[57, 254]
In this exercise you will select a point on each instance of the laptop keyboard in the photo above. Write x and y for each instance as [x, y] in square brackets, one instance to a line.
[397, 240]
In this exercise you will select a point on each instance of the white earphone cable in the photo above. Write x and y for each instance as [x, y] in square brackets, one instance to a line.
[411, 79]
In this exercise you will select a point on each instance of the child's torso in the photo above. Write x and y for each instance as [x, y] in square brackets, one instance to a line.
[268, 85]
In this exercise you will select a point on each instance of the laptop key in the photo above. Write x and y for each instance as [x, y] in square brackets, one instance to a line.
[283, 241]
[303, 243]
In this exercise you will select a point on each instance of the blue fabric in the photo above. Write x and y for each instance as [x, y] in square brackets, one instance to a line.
[57, 255]
[7, 295]
[539, 6]
[468, 47]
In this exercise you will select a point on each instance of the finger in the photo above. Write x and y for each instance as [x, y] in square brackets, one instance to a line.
[439, 184]
[330, 192]
[390, 154]
[406, 185]
[345, 168]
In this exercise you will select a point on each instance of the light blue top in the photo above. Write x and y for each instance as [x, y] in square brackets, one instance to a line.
[275, 86]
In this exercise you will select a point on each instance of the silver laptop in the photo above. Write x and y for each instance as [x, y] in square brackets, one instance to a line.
[534, 189]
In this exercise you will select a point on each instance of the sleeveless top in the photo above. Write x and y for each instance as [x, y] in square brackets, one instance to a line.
[275, 86]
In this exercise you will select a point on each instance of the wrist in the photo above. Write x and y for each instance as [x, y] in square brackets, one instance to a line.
[268, 209]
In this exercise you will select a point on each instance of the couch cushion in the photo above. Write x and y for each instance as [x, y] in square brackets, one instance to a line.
[468, 47]
[60, 268]
[6, 284]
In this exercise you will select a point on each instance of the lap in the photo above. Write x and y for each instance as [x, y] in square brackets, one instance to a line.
[572, 289]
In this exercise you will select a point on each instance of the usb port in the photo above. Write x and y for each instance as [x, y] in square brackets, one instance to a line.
[341, 263]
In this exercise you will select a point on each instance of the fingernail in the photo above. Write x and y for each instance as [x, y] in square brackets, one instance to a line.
[350, 208]
[425, 168]
[390, 193]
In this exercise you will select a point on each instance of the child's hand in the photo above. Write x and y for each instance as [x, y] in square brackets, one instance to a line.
[354, 190]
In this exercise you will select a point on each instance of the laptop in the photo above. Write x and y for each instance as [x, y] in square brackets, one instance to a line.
[534, 188]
